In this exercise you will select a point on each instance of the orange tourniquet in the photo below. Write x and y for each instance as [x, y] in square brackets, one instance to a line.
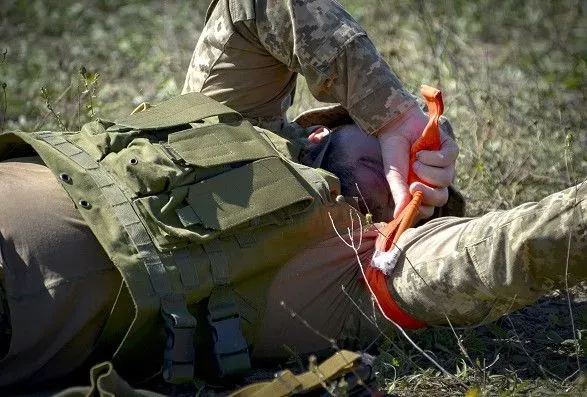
[377, 280]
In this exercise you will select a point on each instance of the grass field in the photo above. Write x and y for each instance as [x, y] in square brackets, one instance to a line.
[514, 78]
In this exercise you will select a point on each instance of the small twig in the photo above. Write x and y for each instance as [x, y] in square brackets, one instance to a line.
[460, 342]
[3, 84]
[544, 371]
[4, 105]
[333, 344]
[46, 96]
[373, 321]
[567, 260]
[569, 170]
[59, 99]
[337, 233]
[90, 80]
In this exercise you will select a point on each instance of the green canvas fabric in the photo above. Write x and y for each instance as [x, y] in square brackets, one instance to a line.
[106, 382]
[186, 205]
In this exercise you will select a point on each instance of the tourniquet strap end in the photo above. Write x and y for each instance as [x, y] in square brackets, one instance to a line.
[230, 347]
[179, 355]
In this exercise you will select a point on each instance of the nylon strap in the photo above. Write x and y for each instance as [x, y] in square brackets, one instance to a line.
[230, 346]
[178, 110]
[286, 383]
[146, 281]
[187, 270]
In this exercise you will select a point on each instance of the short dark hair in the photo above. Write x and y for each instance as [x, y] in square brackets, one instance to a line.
[331, 157]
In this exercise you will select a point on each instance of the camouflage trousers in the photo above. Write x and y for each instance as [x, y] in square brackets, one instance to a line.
[464, 270]
[474, 270]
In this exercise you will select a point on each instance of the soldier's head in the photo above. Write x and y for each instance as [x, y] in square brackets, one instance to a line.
[355, 158]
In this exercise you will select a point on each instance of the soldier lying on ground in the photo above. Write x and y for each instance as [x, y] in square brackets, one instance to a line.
[59, 286]
[65, 303]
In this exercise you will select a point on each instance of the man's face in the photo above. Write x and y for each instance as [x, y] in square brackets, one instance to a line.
[355, 158]
[361, 155]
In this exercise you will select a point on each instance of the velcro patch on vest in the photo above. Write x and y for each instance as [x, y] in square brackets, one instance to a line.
[247, 193]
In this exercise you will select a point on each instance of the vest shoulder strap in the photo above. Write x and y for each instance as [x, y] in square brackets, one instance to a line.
[176, 111]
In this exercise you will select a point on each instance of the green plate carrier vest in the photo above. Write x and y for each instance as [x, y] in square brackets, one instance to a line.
[192, 205]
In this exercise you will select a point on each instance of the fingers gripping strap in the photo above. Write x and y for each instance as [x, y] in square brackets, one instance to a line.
[383, 261]
[147, 279]
[430, 138]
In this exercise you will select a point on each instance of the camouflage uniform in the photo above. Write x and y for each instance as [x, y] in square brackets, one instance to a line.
[250, 52]
[469, 270]
[60, 286]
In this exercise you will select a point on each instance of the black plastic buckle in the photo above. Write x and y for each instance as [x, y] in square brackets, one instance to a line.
[179, 355]
[230, 347]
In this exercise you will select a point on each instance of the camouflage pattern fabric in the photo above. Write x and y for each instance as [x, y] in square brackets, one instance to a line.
[464, 270]
[467, 269]
[250, 52]
[474, 270]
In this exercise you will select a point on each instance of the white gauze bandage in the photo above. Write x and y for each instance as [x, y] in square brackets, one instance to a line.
[385, 261]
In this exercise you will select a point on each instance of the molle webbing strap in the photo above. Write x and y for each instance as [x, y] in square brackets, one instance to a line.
[230, 347]
[146, 281]
[179, 110]
[218, 262]
[187, 271]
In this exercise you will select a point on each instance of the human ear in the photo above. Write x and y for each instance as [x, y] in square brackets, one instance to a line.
[312, 154]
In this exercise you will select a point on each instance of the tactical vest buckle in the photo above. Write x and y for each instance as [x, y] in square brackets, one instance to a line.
[179, 355]
[230, 346]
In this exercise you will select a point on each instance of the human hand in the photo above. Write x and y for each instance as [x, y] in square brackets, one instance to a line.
[435, 168]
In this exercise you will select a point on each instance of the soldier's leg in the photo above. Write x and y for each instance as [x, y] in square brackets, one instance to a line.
[475, 270]
[59, 284]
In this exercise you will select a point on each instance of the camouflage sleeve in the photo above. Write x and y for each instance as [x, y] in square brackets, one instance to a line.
[320, 40]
